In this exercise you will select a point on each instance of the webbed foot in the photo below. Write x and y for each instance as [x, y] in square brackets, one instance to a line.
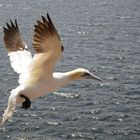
[27, 103]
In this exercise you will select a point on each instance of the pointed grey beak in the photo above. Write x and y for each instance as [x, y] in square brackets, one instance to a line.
[91, 76]
[95, 77]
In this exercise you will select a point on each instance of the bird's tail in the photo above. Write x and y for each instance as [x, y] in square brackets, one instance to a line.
[8, 113]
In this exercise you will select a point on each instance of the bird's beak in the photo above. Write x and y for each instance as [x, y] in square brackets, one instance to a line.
[95, 78]
[91, 76]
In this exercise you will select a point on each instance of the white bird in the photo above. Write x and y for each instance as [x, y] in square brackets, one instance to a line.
[36, 76]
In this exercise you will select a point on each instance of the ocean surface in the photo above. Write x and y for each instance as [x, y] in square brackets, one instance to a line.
[100, 35]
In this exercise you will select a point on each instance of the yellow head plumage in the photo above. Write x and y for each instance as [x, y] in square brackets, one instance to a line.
[81, 73]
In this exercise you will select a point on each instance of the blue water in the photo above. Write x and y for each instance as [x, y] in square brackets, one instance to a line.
[100, 35]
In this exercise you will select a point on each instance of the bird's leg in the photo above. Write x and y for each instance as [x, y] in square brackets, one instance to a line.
[27, 103]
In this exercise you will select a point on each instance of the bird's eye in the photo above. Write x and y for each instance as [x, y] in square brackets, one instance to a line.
[62, 48]
[86, 75]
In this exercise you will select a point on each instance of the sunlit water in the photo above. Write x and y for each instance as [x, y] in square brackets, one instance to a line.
[100, 35]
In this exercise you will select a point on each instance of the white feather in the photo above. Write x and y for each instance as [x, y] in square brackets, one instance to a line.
[20, 62]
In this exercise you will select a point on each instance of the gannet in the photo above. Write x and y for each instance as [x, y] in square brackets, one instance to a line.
[36, 76]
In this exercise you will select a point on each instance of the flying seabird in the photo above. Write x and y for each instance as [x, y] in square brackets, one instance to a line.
[36, 76]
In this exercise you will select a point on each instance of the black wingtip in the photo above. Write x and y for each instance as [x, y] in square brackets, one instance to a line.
[48, 15]
[16, 23]
[4, 28]
[44, 19]
[12, 24]
[49, 18]
[8, 26]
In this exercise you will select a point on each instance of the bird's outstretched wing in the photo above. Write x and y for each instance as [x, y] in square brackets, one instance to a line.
[48, 49]
[18, 53]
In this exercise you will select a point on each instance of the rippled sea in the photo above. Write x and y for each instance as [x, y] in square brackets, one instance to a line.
[100, 35]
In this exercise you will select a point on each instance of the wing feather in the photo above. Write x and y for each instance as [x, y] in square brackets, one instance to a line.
[48, 49]
[45, 36]
[18, 53]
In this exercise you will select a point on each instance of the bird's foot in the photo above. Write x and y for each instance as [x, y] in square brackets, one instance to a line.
[27, 103]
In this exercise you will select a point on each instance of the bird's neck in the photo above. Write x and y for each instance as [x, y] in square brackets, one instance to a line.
[75, 74]
[61, 79]
[65, 78]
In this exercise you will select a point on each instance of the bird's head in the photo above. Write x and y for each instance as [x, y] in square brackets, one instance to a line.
[81, 73]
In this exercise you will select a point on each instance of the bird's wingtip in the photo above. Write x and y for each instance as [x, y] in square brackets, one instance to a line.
[49, 18]
[48, 15]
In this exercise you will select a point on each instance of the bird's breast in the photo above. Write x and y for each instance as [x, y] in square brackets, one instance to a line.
[39, 89]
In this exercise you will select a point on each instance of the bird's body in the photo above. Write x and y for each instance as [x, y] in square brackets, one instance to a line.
[43, 87]
[36, 76]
